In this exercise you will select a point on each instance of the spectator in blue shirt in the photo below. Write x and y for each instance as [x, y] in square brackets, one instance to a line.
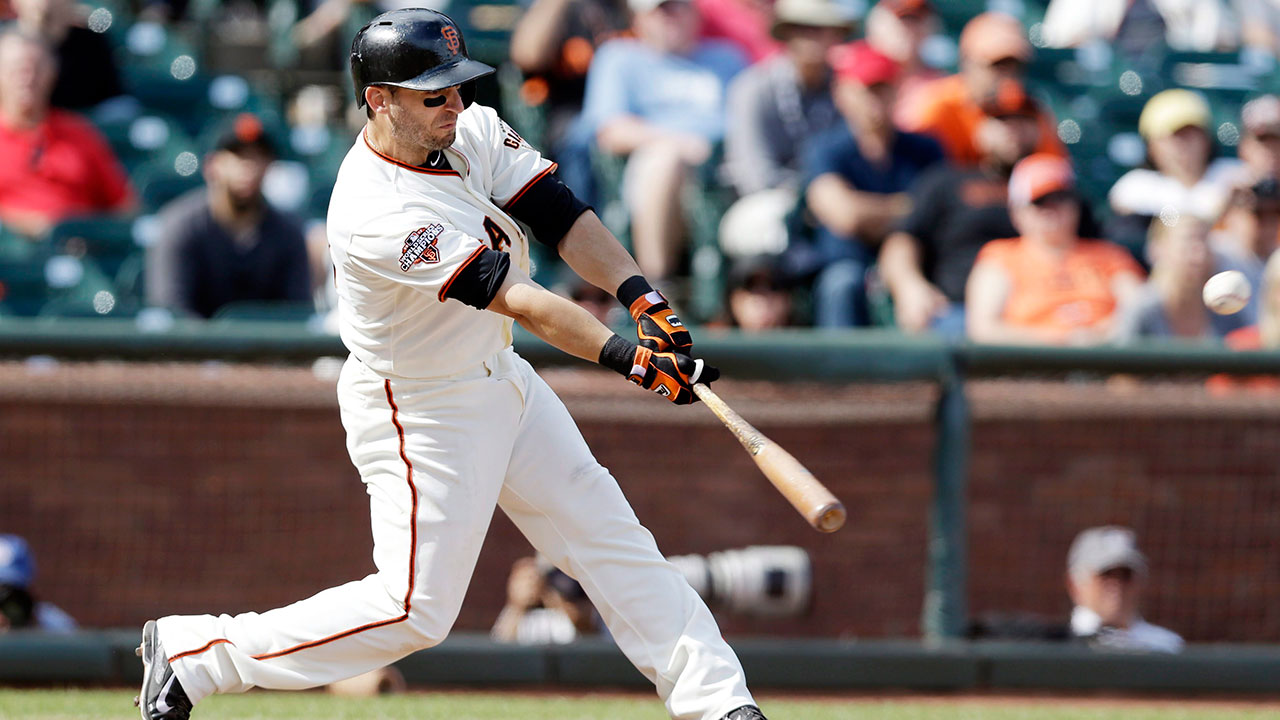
[859, 173]
[659, 99]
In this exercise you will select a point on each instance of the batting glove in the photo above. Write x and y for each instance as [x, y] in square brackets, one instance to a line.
[671, 375]
[657, 326]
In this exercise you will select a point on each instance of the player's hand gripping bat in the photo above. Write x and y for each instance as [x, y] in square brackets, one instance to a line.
[808, 496]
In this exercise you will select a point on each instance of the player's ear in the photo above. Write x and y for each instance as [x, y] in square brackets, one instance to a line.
[377, 98]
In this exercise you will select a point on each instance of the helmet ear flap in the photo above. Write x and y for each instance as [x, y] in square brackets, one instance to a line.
[468, 92]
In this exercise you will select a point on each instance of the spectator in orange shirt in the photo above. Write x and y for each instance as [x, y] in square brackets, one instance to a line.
[56, 165]
[993, 48]
[1049, 286]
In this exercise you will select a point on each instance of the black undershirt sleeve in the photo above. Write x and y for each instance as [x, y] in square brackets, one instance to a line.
[549, 208]
[477, 282]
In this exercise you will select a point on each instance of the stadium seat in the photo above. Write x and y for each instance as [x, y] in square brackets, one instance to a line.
[107, 240]
[23, 290]
[158, 183]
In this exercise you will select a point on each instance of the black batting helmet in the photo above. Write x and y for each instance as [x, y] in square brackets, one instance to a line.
[413, 48]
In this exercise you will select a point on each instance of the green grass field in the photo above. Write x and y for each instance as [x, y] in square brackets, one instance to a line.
[86, 704]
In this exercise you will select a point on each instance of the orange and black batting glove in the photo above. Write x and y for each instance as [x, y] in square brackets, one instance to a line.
[669, 374]
[657, 326]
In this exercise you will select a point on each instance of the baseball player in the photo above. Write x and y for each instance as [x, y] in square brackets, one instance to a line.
[444, 420]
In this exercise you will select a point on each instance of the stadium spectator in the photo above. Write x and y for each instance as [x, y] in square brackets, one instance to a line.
[56, 164]
[1171, 302]
[744, 23]
[1249, 228]
[859, 174]
[19, 608]
[1183, 175]
[553, 44]
[954, 211]
[1106, 574]
[544, 606]
[659, 99]
[776, 105]
[1259, 148]
[1048, 286]
[758, 295]
[1141, 27]
[898, 29]
[87, 74]
[993, 48]
[224, 243]
[775, 108]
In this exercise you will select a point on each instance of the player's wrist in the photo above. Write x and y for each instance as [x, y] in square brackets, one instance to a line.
[637, 295]
[622, 356]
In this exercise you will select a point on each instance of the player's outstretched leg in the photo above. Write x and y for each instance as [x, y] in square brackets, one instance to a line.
[573, 512]
[162, 696]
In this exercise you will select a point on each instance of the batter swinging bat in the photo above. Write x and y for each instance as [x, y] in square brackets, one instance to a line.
[808, 496]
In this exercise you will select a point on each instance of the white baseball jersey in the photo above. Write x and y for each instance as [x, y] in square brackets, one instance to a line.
[400, 234]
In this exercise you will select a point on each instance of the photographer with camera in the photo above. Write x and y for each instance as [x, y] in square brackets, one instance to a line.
[19, 608]
[544, 606]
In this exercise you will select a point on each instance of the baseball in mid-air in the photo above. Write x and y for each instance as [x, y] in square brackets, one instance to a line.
[1227, 292]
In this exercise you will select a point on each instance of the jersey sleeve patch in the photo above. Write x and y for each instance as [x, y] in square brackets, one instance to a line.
[420, 247]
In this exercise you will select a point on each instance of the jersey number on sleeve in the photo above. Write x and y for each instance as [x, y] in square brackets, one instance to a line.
[497, 236]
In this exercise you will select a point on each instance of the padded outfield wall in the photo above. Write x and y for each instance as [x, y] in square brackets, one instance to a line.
[150, 489]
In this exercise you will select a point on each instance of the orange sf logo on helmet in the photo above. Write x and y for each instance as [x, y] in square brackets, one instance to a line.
[450, 34]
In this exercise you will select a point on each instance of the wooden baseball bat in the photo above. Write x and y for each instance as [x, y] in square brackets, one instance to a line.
[808, 496]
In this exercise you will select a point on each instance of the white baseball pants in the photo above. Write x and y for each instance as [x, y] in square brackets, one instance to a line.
[435, 457]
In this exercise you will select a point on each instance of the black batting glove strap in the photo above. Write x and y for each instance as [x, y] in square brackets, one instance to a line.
[632, 289]
[619, 355]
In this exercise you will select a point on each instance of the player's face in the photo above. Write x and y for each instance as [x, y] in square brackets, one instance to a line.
[425, 118]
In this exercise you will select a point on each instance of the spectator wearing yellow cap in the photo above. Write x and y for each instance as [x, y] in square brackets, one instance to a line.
[1049, 286]
[1183, 176]
[993, 48]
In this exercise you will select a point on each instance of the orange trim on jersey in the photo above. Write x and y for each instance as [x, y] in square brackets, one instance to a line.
[413, 549]
[458, 272]
[199, 650]
[551, 168]
[406, 166]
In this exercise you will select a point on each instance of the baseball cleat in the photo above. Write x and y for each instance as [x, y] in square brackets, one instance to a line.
[162, 696]
[746, 712]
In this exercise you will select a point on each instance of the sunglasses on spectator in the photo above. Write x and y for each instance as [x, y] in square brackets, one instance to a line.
[1054, 199]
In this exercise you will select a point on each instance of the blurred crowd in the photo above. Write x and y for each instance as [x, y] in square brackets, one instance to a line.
[1065, 173]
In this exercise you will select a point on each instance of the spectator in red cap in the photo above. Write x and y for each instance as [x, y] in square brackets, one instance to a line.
[859, 174]
[1048, 286]
[993, 47]
[898, 29]
[224, 243]
[55, 165]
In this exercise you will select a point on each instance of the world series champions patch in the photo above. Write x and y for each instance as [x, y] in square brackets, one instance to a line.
[420, 247]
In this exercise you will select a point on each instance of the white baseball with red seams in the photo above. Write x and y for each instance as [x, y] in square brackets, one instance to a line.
[444, 421]
[1227, 292]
